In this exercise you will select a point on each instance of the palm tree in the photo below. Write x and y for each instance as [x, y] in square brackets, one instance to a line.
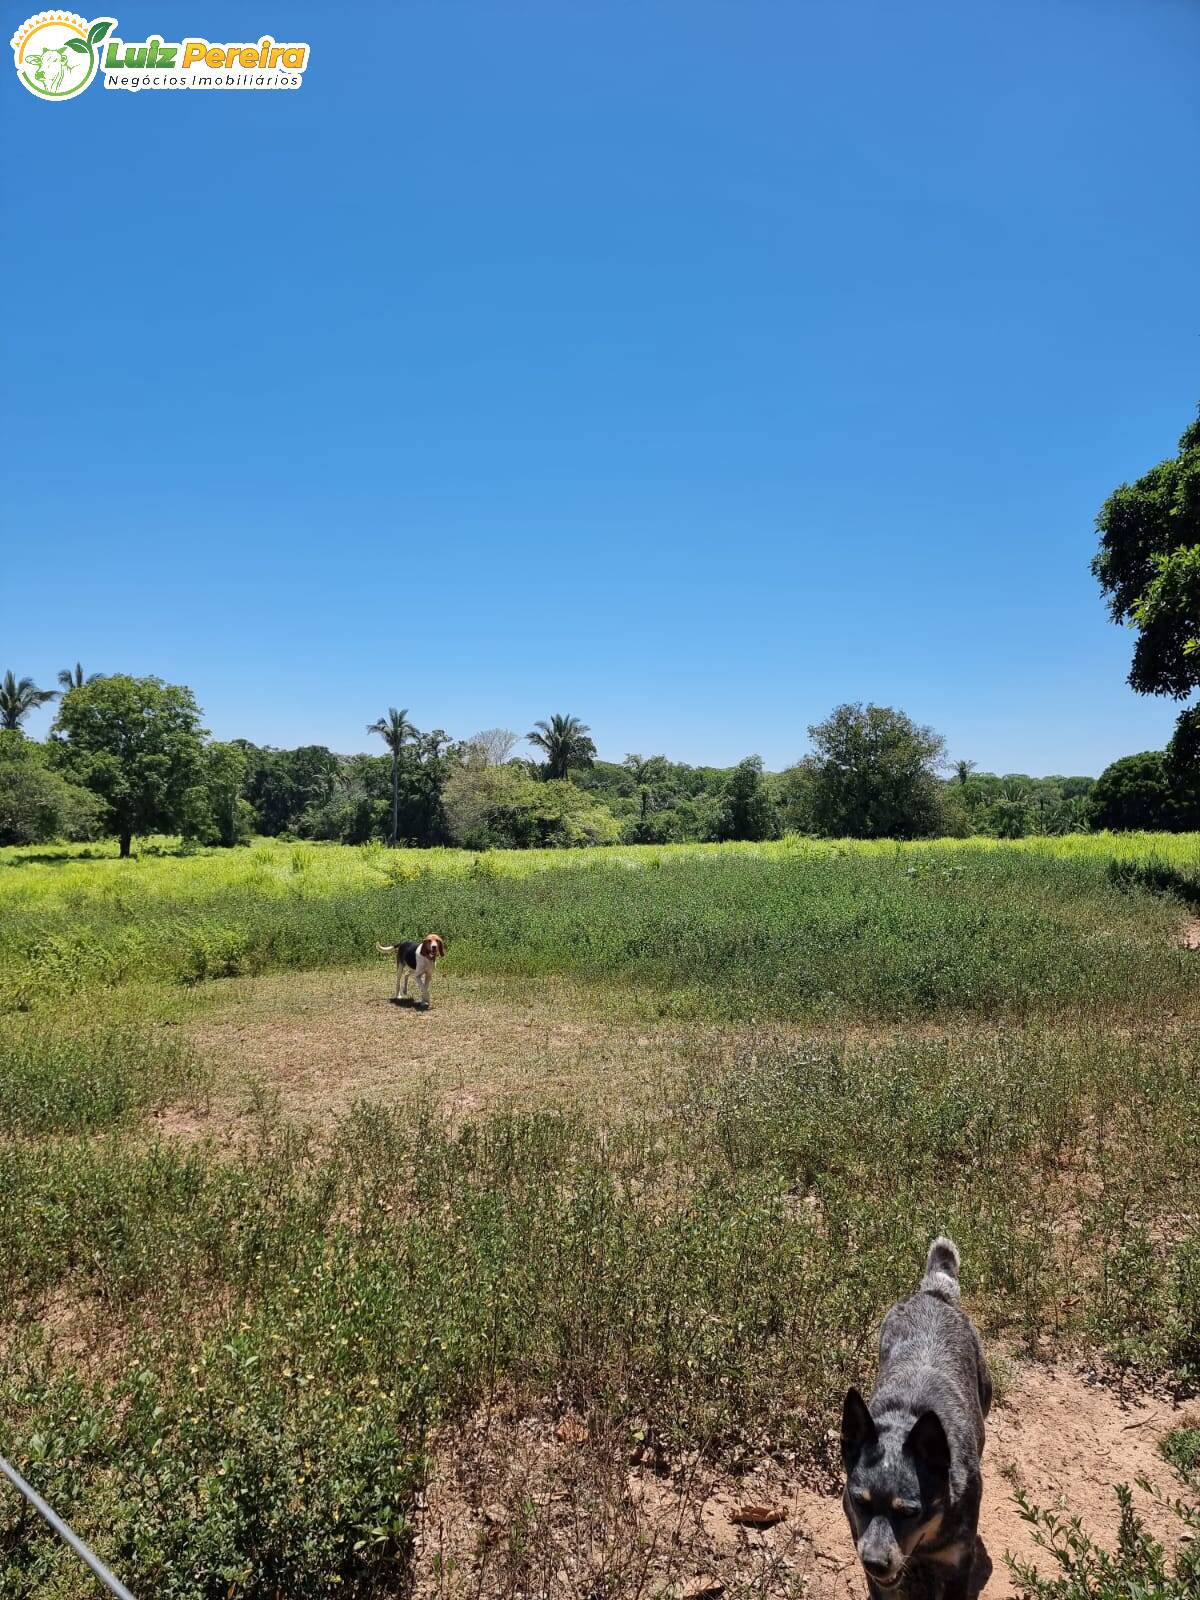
[394, 729]
[19, 697]
[566, 743]
[963, 770]
[643, 770]
[73, 678]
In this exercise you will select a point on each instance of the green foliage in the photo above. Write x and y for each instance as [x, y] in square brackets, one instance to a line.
[52, 1081]
[1139, 1568]
[36, 804]
[214, 811]
[394, 730]
[1158, 876]
[1148, 566]
[282, 785]
[749, 811]
[1145, 792]
[137, 743]
[1181, 1447]
[1016, 806]
[818, 930]
[503, 808]
[75, 677]
[873, 775]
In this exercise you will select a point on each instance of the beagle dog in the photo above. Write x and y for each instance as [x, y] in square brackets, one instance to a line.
[415, 958]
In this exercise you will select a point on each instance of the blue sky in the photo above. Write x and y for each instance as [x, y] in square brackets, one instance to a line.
[687, 367]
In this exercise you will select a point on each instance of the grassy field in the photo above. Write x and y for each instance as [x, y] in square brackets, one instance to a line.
[229, 1358]
[795, 929]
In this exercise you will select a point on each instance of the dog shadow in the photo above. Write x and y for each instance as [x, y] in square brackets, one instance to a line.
[407, 1003]
[981, 1570]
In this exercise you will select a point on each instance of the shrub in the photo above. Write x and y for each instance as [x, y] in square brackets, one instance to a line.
[1139, 1568]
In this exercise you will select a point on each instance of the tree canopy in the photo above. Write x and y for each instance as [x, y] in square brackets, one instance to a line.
[1148, 566]
[1145, 791]
[18, 697]
[873, 775]
[137, 743]
[566, 743]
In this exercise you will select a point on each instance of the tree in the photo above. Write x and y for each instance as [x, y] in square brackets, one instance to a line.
[72, 677]
[282, 785]
[504, 808]
[963, 770]
[1148, 566]
[138, 744]
[394, 729]
[644, 770]
[18, 697]
[873, 775]
[566, 744]
[215, 811]
[493, 746]
[1145, 791]
[36, 804]
[749, 813]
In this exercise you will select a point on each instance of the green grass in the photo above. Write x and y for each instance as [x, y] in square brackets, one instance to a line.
[55, 1081]
[788, 930]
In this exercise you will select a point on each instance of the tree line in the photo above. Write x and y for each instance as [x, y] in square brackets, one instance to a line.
[128, 756]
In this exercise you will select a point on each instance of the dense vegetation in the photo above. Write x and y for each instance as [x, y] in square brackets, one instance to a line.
[811, 930]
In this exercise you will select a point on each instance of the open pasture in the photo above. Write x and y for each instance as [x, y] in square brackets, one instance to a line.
[625, 1206]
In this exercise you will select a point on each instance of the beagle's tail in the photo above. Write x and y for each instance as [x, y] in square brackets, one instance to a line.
[386, 949]
[941, 1270]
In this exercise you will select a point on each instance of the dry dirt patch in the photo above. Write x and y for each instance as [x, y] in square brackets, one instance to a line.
[522, 1502]
[318, 1042]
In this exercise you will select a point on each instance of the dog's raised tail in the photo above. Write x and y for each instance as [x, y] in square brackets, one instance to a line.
[941, 1269]
[385, 949]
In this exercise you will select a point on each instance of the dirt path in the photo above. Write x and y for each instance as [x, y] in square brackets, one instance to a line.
[523, 1504]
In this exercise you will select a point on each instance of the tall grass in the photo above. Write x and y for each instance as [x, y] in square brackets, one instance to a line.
[799, 931]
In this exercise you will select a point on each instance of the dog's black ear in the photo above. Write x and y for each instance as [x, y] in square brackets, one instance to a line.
[858, 1427]
[928, 1445]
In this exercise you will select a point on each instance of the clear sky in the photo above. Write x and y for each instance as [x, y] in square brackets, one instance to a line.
[690, 367]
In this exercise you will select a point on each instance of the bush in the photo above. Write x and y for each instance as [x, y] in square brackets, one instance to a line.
[1138, 1569]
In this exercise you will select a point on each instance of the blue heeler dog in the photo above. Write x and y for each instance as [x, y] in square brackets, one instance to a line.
[912, 1455]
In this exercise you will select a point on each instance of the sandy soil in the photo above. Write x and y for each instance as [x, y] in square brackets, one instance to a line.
[523, 1503]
